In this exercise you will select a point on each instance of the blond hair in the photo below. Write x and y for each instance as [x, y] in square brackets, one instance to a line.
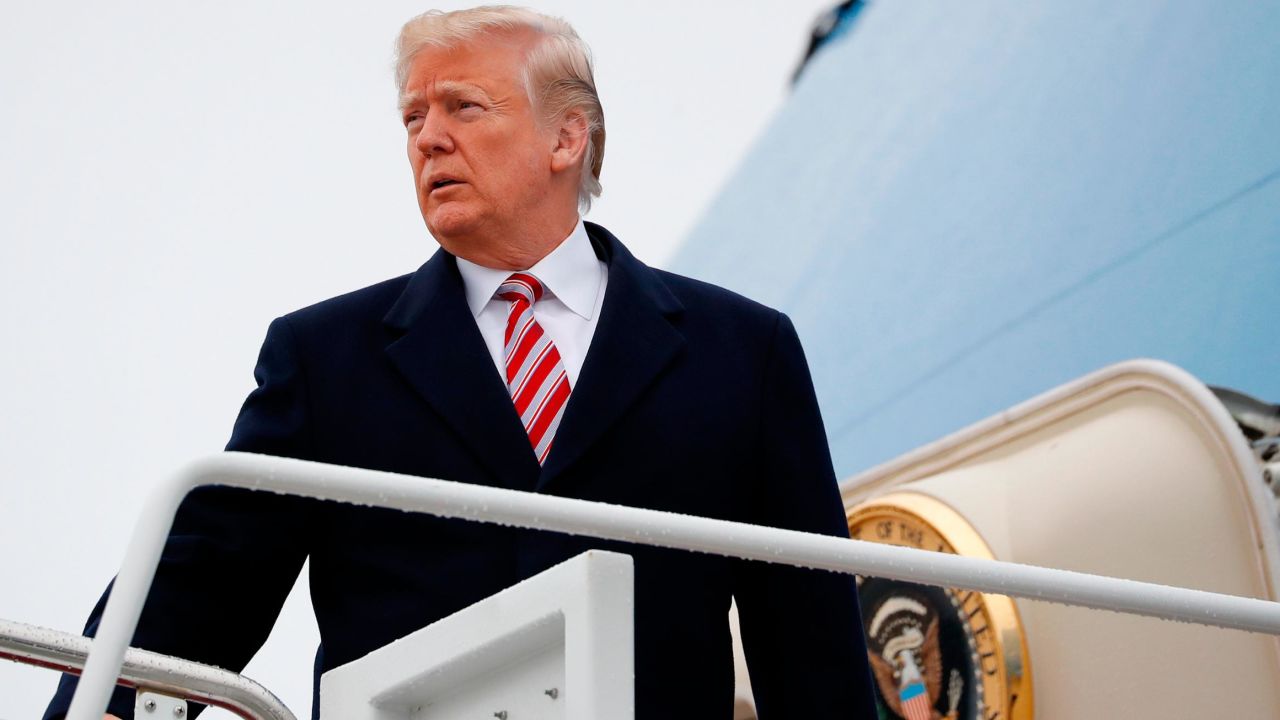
[557, 72]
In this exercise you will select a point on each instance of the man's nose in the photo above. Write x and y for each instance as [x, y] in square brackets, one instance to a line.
[433, 136]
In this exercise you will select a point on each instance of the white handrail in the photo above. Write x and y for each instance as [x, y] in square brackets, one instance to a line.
[171, 676]
[614, 522]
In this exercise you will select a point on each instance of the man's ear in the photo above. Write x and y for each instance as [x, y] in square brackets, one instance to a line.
[572, 136]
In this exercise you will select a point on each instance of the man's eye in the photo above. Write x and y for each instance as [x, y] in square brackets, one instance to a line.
[412, 118]
[467, 105]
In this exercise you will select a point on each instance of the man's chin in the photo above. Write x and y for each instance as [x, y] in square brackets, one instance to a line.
[451, 229]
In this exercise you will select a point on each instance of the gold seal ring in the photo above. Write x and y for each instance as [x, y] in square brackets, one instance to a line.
[983, 651]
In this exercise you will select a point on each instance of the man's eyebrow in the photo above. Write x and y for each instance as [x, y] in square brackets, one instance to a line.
[408, 99]
[444, 87]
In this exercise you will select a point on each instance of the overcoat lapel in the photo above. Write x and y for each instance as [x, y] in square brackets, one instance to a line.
[634, 340]
[443, 356]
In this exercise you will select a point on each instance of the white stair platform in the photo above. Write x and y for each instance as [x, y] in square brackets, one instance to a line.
[558, 646]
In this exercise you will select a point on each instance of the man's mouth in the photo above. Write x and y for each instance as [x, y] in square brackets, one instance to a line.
[443, 182]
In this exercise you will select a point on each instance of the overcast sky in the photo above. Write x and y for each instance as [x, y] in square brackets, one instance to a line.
[174, 175]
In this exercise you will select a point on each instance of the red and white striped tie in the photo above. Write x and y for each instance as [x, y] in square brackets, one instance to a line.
[536, 377]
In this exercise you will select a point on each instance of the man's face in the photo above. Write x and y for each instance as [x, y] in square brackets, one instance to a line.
[480, 160]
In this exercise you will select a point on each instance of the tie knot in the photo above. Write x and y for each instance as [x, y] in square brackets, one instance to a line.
[520, 286]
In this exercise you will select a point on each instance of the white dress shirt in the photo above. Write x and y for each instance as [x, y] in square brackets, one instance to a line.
[574, 279]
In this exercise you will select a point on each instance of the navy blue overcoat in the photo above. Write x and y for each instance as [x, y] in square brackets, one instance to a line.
[691, 399]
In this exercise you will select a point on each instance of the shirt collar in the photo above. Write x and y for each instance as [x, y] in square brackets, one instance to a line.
[570, 272]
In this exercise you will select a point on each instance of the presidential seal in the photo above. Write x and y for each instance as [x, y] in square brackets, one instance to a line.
[938, 653]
